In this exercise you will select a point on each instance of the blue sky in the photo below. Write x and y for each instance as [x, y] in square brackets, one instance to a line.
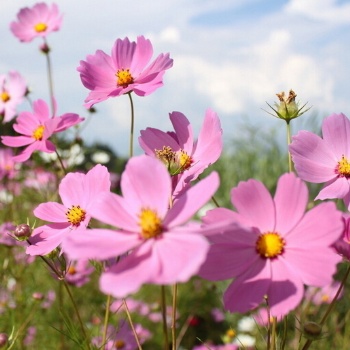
[229, 55]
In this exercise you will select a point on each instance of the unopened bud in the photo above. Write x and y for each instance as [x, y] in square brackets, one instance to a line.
[22, 232]
[312, 330]
[287, 108]
[3, 340]
[44, 48]
[38, 296]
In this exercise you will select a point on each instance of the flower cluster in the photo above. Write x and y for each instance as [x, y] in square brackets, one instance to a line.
[147, 233]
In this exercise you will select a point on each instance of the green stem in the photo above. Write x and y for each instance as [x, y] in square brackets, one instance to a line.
[132, 325]
[105, 324]
[330, 306]
[49, 75]
[173, 321]
[87, 340]
[61, 163]
[131, 144]
[165, 328]
[290, 164]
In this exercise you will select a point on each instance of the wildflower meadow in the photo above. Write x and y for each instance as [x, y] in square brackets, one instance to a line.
[188, 246]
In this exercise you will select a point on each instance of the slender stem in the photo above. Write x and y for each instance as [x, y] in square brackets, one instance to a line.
[105, 324]
[131, 144]
[183, 329]
[77, 313]
[330, 307]
[273, 338]
[131, 324]
[61, 163]
[49, 75]
[290, 165]
[284, 339]
[165, 328]
[173, 321]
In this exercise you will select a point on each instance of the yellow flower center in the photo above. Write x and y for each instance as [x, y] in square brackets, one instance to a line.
[325, 298]
[124, 78]
[150, 223]
[75, 215]
[176, 162]
[343, 167]
[230, 333]
[38, 132]
[71, 270]
[270, 245]
[5, 96]
[119, 344]
[185, 161]
[40, 27]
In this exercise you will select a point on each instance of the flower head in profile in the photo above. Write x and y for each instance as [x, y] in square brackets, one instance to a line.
[184, 157]
[127, 69]
[271, 246]
[8, 168]
[36, 129]
[164, 248]
[327, 159]
[37, 21]
[12, 91]
[78, 192]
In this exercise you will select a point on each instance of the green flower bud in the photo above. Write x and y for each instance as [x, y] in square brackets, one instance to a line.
[287, 109]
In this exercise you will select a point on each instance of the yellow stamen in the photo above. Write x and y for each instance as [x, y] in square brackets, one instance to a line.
[5, 96]
[124, 78]
[150, 223]
[184, 160]
[325, 298]
[40, 27]
[270, 245]
[343, 167]
[38, 132]
[71, 270]
[75, 215]
[230, 333]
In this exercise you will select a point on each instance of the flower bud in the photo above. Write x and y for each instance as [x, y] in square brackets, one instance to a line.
[287, 109]
[22, 232]
[38, 296]
[3, 340]
[312, 330]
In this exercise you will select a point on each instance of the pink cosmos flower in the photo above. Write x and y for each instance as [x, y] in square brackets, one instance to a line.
[323, 295]
[7, 164]
[276, 249]
[38, 21]
[184, 158]
[36, 129]
[12, 91]
[123, 337]
[124, 71]
[78, 272]
[163, 250]
[325, 159]
[78, 192]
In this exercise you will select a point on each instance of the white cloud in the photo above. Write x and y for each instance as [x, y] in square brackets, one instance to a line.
[322, 10]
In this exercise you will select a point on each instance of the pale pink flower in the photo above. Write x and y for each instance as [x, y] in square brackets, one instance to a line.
[342, 245]
[325, 160]
[8, 168]
[12, 91]
[163, 250]
[123, 337]
[184, 157]
[37, 128]
[37, 21]
[323, 295]
[78, 192]
[78, 272]
[124, 71]
[276, 250]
